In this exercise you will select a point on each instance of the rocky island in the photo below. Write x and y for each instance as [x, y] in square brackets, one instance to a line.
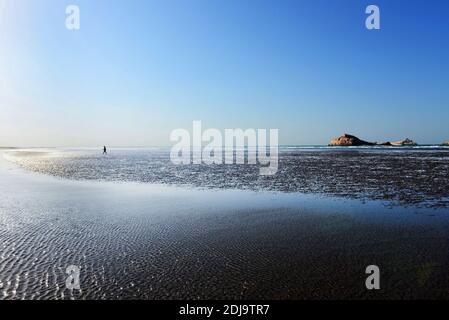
[348, 140]
[406, 142]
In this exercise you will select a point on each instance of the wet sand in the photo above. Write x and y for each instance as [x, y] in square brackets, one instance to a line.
[399, 176]
[146, 241]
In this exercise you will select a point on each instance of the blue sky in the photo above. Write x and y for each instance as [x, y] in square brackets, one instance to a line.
[136, 70]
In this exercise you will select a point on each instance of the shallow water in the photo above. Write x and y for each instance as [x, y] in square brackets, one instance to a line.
[401, 176]
[136, 240]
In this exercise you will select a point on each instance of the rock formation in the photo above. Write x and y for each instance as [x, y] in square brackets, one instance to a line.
[348, 140]
[406, 142]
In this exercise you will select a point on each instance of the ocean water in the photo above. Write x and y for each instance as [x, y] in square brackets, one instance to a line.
[417, 176]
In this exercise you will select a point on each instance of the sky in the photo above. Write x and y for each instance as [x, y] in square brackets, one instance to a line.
[136, 70]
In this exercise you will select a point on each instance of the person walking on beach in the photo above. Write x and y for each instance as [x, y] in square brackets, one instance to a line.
[104, 150]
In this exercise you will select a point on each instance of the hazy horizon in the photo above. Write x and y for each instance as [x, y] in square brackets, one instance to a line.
[137, 70]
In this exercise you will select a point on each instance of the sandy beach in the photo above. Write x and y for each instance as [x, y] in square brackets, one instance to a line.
[147, 241]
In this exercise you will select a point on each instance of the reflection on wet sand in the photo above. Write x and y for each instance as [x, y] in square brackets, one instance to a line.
[144, 241]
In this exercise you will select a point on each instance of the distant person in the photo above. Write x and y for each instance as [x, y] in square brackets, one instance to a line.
[104, 150]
